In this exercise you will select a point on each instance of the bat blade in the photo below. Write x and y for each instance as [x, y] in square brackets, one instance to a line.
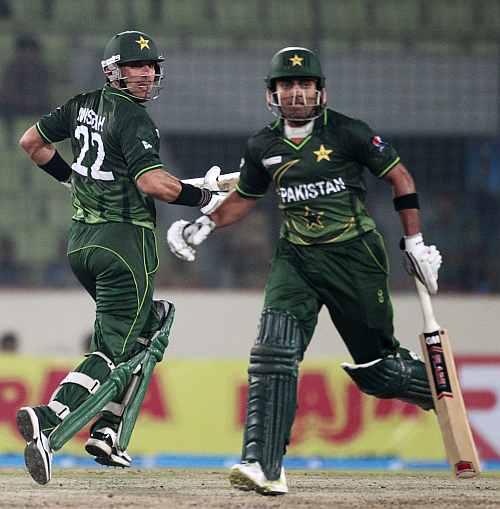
[449, 404]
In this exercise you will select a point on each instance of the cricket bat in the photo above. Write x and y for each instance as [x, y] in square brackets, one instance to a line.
[448, 400]
[227, 181]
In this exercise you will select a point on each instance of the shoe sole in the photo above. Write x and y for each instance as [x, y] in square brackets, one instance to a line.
[35, 460]
[241, 482]
[108, 461]
[27, 424]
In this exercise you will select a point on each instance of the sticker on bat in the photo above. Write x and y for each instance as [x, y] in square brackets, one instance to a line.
[438, 366]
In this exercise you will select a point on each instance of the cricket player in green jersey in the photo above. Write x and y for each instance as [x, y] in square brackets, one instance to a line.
[115, 175]
[329, 254]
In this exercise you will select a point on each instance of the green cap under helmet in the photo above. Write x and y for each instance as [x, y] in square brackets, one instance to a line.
[295, 62]
[127, 47]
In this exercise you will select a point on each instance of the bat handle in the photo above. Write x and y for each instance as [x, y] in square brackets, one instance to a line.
[430, 323]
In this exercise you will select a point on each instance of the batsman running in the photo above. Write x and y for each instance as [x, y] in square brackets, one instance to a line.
[115, 175]
[329, 254]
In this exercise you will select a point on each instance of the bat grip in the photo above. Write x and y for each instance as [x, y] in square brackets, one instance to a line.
[430, 323]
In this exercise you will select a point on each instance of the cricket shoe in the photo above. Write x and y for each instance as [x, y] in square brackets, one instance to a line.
[37, 453]
[102, 445]
[249, 476]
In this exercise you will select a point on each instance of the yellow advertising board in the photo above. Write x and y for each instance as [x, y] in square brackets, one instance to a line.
[198, 407]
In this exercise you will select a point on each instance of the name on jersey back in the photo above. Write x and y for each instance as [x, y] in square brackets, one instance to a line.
[91, 118]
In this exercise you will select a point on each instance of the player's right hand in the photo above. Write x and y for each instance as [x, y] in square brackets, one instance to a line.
[422, 261]
[183, 236]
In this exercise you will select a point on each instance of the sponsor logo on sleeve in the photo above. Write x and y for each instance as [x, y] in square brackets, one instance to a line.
[379, 143]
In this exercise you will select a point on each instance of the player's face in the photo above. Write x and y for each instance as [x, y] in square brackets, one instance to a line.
[298, 98]
[139, 78]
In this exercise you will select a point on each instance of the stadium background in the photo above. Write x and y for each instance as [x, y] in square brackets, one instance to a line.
[424, 74]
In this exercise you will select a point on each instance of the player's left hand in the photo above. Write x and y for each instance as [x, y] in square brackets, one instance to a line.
[422, 261]
[183, 236]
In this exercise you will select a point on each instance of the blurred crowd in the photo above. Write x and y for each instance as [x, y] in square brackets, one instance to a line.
[457, 175]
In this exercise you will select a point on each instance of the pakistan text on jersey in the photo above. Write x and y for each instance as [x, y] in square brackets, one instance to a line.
[311, 191]
[91, 118]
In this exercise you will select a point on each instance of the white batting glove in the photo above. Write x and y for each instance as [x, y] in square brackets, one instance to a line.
[216, 199]
[210, 180]
[197, 232]
[182, 236]
[422, 261]
[177, 243]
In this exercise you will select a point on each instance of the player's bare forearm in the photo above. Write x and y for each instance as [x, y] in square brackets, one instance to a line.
[36, 148]
[232, 209]
[160, 184]
[402, 183]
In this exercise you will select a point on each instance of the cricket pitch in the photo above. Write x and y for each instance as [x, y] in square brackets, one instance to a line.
[188, 488]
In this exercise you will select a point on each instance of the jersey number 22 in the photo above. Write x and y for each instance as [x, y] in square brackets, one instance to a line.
[95, 139]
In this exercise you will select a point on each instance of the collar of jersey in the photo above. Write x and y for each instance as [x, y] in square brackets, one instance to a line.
[108, 89]
[278, 128]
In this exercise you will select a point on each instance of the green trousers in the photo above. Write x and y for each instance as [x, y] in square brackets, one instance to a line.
[350, 279]
[115, 263]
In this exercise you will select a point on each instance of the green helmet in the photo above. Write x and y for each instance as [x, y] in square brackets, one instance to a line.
[295, 62]
[290, 63]
[127, 47]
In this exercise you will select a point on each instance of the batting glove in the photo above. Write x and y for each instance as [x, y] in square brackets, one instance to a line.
[422, 261]
[183, 236]
[210, 180]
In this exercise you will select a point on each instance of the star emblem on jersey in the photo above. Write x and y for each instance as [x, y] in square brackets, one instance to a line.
[146, 144]
[296, 60]
[313, 219]
[143, 43]
[322, 153]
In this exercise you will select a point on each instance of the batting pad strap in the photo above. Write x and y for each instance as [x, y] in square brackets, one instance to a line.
[108, 431]
[114, 408]
[59, 409]
[85, 381]
[351, 367]
[144, 341]
[105, 358]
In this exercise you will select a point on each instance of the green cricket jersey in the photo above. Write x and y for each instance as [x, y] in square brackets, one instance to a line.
[114, 141]
[320, 183]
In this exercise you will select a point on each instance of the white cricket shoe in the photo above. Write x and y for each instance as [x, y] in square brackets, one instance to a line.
[102, 445]
[249, 476]
[37, 453]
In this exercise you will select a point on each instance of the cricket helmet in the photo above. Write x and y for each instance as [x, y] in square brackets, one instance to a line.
[294, 63]
[126, 48]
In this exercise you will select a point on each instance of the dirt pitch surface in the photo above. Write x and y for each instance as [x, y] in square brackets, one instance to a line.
[179, 489]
